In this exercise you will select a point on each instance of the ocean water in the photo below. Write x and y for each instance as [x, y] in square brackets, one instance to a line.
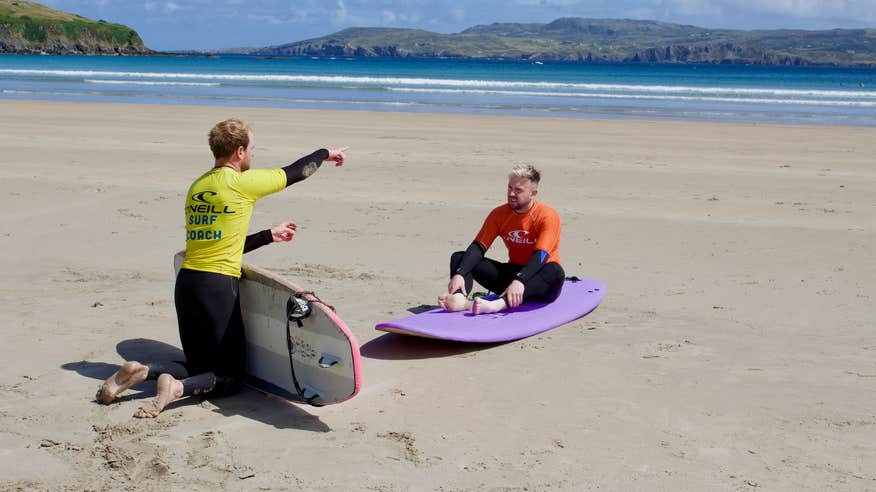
[819, 95]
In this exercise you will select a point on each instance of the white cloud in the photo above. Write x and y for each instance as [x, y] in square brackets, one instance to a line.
[340, 13]
[546, 3]
[696, 8]
[781, 12]
[166, 7]
[294, 17]
[389, 18]
[740, 14]
[410, 18]
[811, 8]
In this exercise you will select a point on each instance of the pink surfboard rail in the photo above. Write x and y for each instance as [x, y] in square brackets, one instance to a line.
[336, 321]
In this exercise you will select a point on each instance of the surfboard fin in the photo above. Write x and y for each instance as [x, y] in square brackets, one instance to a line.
[311, 396]
[328, 360]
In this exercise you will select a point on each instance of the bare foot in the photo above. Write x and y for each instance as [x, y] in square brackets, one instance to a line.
[168, 389]
[131, 373]
[482, 306]
[454, 302]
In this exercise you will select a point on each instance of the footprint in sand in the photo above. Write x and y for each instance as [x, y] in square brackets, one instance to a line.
[411, 453]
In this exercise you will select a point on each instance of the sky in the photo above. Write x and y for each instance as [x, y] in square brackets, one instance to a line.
[167, 25]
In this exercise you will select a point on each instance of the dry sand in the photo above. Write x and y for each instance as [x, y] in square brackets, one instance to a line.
[735, 349]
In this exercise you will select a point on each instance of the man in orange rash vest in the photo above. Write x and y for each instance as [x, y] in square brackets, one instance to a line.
[530, 230]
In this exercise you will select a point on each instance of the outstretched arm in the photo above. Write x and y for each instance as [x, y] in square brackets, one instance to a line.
[257, 240]
[307, 165]
[281, 232]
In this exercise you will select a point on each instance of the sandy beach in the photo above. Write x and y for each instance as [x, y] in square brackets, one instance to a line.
[735, 349]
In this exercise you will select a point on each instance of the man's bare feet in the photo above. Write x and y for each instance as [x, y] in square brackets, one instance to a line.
[168, 389]
[482, 306]
[454, 302]
[131, 373]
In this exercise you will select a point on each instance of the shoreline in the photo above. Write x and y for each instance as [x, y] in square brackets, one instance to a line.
[219, 53]
[735, 94]
[522, 115]
[607, 116]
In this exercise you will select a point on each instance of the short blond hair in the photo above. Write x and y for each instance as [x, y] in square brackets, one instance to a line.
[527, 171]
[227, 136]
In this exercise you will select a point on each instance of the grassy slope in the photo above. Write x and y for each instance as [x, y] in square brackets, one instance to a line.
[613, 39]
[39, 24]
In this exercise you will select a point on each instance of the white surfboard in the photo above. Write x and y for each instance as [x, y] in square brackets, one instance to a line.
[314, 358]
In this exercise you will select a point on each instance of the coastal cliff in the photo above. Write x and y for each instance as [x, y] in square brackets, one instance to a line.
[605, 40]
[29, 28]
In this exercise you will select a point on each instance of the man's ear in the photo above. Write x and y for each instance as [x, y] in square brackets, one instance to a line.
[534, 191]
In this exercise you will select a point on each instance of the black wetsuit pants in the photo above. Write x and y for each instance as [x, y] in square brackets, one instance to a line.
[544, 286]
[211, 332]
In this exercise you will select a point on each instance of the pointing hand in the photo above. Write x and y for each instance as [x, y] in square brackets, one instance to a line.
[337, 155]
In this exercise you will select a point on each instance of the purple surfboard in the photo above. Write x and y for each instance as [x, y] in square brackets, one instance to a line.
[578, 298]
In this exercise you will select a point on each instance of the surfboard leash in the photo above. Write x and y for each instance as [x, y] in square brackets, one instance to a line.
[297, 308]
[304, 292]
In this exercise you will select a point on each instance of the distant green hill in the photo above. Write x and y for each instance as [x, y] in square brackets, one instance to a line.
[578, 39]
[29, 27]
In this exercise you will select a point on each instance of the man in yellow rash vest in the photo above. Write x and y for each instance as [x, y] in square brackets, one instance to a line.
[217, 211]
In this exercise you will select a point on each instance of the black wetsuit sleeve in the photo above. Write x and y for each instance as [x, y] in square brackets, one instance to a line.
[472, 256]
[536, 261]
[304, 167]
[257, 240]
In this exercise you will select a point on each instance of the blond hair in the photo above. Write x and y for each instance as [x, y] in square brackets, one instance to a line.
[227, 136]
[527, 171]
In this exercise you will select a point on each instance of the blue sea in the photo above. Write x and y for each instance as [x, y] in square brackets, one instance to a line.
[818, 95]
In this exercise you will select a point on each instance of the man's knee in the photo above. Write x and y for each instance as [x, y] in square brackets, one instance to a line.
[556, 281]
[559, 275]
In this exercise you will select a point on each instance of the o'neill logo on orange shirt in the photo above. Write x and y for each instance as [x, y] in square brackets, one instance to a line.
[519, 236]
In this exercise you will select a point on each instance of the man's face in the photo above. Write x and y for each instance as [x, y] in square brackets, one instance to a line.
[520, 193]
[246, 162]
